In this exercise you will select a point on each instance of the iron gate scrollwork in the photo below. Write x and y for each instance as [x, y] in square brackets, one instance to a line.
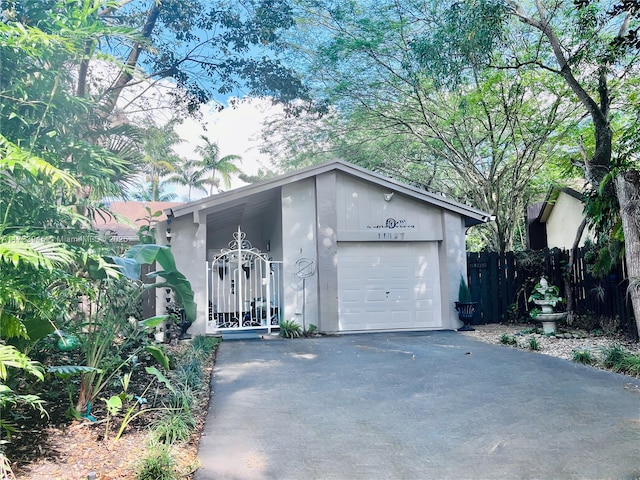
[244, 288]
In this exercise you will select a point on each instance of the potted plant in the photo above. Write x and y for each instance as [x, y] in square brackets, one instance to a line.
[546, 297]
[464, 306]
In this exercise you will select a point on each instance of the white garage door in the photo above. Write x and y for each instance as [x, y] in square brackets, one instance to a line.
[388, 286]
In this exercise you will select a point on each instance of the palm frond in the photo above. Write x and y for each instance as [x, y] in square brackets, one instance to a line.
[35, 253]
[11, 357]
[13, 157]
[11, 326]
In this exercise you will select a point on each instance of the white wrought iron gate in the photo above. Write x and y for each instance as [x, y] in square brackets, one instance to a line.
[244, 288]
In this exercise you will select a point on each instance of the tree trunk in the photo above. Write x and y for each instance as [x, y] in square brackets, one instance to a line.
[126, 75]
[84, 393]
[627, 186]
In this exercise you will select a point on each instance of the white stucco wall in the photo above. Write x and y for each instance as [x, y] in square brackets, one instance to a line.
[188, 245]
[365, 215]
[299, 242]
[564, 219]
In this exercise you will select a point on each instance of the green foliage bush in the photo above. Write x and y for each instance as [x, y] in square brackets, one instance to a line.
[189, 373]
[531, 330]
[583, 356]
[290, 329]
[613, 357]
[204, 345]
[464, 293]
[507, 339]
[174, 427]
[182, 398]
[619, 360]
[310, 331]
[157, 465]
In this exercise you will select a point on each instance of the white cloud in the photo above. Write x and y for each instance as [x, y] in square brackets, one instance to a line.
[236, 130]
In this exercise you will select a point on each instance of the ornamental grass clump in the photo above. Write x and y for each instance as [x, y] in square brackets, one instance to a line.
[613, 358]
[174, 427]
[507, 339]
[290, 329]
[583, 356]
[631, 364]
[158, 465]
[533, 344]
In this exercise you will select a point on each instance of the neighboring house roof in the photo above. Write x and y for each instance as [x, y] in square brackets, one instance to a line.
[552, 197]
[128, 217]
[472, 215]
[555, 222]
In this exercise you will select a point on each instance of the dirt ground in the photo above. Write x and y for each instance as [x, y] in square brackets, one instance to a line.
[73, 451]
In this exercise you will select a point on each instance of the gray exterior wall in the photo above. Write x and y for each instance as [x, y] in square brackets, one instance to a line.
[327, 247]
[188, 245]
[313, 216]
[453, 265]
[299, 243]
[364, 214]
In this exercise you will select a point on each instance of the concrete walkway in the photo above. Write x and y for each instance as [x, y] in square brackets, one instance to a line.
[433, 405]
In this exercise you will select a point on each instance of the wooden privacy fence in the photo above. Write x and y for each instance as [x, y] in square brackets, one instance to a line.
[502, 282]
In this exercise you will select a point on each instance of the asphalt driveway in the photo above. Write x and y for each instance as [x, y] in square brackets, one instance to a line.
[435, 405]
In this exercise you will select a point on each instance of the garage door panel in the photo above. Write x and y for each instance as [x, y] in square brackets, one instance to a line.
[351, 296]
[423, 292]
[402, 320]
[374, 296]
[387, 285]
[372, 322]
[400, 296]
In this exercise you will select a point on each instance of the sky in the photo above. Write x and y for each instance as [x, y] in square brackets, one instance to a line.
[236, 129]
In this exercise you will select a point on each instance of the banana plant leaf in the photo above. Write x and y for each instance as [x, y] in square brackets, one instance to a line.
[159, 355]
[145, 254]
[154, 371]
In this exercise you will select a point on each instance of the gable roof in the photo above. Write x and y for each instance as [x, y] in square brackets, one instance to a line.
[472, 216]
[552, 198]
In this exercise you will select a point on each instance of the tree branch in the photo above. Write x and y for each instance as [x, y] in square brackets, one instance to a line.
[132, 61]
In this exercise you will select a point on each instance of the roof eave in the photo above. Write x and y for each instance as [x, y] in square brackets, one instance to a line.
[472, 216]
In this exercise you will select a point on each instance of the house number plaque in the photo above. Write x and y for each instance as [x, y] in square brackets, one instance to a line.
[393, 223]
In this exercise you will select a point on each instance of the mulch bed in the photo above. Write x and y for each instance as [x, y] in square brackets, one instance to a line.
[73, 450]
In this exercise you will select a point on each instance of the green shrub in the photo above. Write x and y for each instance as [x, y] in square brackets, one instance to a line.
[205, 345]
[183, 398]
[158, 465]
[189, 373]
[527, 331]
[174, 427]
[310, 331]
[290, 329]
[631, 364]
[533, 344]
[506, 339]
[613, 358]
[464, 293]
[583, 356]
